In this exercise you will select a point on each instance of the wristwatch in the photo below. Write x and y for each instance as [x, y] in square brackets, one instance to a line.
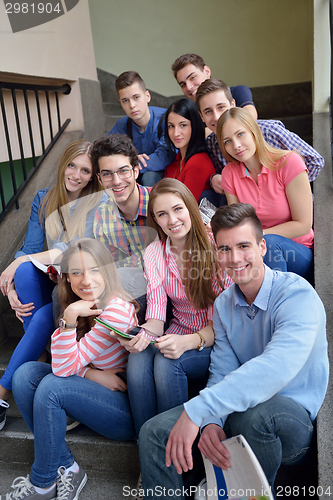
[68, 326]
[202, 342]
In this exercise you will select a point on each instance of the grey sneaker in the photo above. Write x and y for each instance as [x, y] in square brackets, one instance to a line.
[69, 486]
[71, 424]
[3, 407]
[23, 489]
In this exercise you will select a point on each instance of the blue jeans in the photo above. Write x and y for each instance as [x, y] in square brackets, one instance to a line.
[217, 199]
[150, 178]
[44, 400]
[287, 255]
[279, 431]
[156, 383]
[32, 285]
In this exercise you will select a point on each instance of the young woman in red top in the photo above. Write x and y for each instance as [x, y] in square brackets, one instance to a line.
[185, 131]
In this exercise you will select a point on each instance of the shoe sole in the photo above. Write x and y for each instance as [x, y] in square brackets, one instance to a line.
[72, 426]
[80, 488]
[2, 424]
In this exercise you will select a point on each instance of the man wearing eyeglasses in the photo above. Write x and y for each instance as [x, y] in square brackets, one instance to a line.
[120, 222]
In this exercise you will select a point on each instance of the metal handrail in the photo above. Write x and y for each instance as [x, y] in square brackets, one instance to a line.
[37, 90]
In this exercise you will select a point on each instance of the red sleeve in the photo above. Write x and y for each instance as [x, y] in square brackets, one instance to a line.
[197, 173]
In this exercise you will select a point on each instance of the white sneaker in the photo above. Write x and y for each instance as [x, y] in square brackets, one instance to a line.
[3, 407]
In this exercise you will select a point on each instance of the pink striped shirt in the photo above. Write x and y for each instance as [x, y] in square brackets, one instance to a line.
[70, 357]
[163, 280]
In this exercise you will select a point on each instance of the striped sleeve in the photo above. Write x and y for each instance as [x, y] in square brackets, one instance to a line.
[70, 357]
[154, 270]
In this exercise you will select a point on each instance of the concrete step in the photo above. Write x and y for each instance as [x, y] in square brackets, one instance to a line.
[300, 125]
[110, 465]
[100, 486]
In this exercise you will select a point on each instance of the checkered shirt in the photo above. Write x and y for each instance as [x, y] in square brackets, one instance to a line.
[125, 238]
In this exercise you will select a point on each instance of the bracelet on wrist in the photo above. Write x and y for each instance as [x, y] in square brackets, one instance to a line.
[202, 342]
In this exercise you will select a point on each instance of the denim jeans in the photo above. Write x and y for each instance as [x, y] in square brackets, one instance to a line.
[150, 177]
[44, 400]
[218, 200]
[287, 255]
[32, 285]
[279, 431]
[156, 383]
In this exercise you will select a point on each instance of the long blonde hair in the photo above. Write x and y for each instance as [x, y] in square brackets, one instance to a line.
[267, 155]
[203, 266]
[54, 212]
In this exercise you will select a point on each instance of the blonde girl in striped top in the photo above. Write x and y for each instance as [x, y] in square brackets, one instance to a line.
[180, 266]
[83, 381]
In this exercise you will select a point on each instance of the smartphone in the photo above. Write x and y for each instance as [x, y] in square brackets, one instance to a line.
[129, 335]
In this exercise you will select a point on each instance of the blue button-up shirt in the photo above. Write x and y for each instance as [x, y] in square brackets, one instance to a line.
[275, 345]
[148, 141]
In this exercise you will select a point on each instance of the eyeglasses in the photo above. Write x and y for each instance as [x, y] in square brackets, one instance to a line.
[123, 173]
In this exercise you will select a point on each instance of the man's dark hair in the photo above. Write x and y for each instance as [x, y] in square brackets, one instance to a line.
[212, 85]
[111, 145]
[127, 79]
[237, 214]
[186, 59]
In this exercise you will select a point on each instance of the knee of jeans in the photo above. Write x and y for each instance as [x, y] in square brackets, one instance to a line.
[25, 272]
[18, 377]
[139, 365]
[49, 389]
[273, 242]
[155, 431]
[24, 375]
[249, 422]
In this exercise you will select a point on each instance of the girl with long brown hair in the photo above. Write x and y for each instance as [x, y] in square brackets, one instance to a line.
[180, 266]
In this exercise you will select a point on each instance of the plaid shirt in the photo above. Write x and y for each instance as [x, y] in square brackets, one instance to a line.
[125, 238]
[276, 134]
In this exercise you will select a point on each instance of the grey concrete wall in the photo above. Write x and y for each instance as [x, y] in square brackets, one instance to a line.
[92, 108]
[323, 227]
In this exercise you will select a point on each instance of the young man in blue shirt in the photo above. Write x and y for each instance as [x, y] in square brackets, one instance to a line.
[268, 372]
[142, 125]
